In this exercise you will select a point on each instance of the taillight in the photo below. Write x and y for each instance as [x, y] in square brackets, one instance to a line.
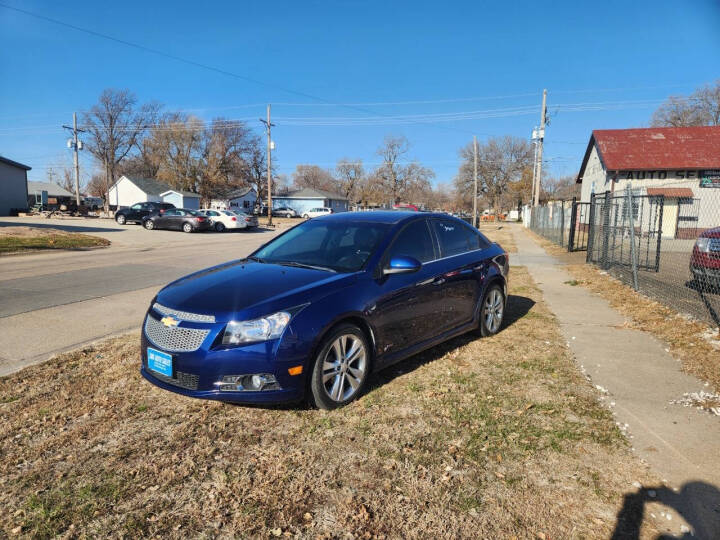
[200, 218]
[233, 219]
[162, 210]
[247, 219]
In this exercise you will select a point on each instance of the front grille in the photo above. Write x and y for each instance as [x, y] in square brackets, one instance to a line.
[183, 380]
[183, 315]
[174, 338]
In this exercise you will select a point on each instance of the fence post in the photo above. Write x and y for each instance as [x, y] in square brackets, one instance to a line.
[606, 232]
[659, 233]
[631, 220]
[591, 230]
[573, 218]
[562, 223]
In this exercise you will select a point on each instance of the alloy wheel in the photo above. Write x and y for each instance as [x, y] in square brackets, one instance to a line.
[121, 220]
[187, 228]
[344, 367]
[493, 310]
[149, 225]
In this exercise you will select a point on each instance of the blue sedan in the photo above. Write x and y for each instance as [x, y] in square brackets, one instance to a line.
[314, 311]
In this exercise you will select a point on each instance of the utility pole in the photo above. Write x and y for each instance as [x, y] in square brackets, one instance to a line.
[268, 128]
[475, 193]
[538, 161]
[76, 145]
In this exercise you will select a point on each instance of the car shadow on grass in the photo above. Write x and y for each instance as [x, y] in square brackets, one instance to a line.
[698, 503]
[517, 308]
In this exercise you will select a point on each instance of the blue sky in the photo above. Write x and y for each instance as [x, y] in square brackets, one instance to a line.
[485, 63]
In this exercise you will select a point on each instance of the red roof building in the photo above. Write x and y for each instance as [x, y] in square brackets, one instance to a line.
[681, 164]
[655, 149]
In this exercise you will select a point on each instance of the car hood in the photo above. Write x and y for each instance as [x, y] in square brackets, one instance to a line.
[247, 289]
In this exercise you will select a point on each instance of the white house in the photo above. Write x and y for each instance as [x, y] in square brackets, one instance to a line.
[128, 191]
[181, 199]
[242, 199]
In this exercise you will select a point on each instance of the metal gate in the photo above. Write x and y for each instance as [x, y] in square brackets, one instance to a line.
[618, 221]
[579, 226]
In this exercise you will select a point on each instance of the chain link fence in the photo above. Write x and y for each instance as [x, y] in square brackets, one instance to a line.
[664, 242]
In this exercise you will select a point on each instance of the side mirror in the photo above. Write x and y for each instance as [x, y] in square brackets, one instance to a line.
[402, 264]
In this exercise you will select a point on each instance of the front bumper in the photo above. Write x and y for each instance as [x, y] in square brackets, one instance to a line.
[194, 373]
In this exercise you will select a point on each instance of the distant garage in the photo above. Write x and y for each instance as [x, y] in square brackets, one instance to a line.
[13, 187]
[181, 199]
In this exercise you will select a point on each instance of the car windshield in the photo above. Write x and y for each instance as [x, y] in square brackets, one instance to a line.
[338, 246]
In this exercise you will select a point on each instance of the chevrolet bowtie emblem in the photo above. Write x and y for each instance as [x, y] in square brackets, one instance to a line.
[169, 321]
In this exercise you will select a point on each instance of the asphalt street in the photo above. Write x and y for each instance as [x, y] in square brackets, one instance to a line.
[53, 302]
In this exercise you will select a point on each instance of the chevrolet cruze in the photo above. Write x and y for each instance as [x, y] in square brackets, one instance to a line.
[312, 313]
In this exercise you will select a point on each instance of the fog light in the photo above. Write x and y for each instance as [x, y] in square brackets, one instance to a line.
[248, 383]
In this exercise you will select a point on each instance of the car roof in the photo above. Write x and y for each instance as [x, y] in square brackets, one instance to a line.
[382, 216]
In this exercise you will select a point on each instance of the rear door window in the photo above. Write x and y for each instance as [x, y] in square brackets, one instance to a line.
[414, 241]
[455, 237]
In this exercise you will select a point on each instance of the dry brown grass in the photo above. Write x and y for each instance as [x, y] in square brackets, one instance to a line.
[500, 233]
[686, 338]
[21, 238]
[492, 438]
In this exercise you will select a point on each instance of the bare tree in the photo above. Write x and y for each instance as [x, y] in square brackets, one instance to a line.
[62, 175]
[396, 180]
[114, 126]
[227, 158]
[177, 145]
[312, 176]
[701, 108]
[502, 163]
[350, 176]
[561, 188]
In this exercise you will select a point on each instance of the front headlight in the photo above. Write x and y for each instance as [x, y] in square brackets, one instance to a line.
[263, 329]
[703, 244]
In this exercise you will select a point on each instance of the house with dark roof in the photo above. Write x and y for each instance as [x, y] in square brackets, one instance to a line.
[49, 194]
[681, 164]
[13, 186]
[306, 199]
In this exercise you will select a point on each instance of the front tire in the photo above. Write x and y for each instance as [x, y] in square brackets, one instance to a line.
[120, 219]
[492, 311]
[219, 227]
[341, 368]
[305, 216]
[187, 228]
[149, 225]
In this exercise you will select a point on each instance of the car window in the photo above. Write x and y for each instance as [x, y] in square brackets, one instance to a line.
[227, 213]
[319, 244]
[171, 213]
[136, 206]
[414, 241]
[455, 237]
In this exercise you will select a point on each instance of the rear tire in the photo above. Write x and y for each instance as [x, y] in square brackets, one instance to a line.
[120, 219]
[149, 225]
[219, 227]
[187, 228]
[305, 216]
[341, 368]
[492, 311]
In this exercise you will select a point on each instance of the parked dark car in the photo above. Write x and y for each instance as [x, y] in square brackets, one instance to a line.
[314, 311]
[180, 219]
[139, 211]
[705, 258]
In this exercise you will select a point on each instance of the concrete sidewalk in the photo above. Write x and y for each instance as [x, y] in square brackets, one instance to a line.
[640, 379]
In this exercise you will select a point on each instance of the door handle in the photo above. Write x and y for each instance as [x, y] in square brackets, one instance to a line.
[439, 281]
